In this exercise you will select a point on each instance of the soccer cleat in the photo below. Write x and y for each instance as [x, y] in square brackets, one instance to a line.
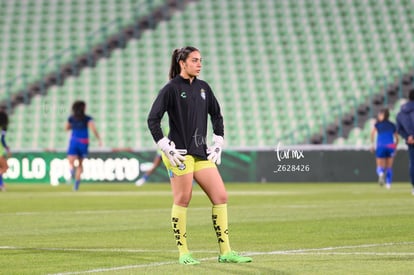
[233, 257]
[187, 259]
[3, 188]
[388, 186]
[381, 179]
[140, 182]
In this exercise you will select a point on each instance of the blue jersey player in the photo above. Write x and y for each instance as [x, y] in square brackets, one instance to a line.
[79, 123]
[405, 127]
[4, 149]
[386, 143]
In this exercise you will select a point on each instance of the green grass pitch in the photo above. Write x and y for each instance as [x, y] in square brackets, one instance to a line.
[286, 229]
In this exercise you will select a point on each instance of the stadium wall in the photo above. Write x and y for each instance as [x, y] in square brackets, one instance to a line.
[288, 164]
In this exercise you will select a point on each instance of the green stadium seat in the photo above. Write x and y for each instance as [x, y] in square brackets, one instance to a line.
[263, 59]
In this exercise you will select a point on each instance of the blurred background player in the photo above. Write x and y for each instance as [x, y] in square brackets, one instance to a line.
[156, 162]
[4, 149]
[405, 127]
[385, 146]
[188, 102]
[79, 123]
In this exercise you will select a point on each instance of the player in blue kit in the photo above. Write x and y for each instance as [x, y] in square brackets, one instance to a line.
[79, 123]
[4, 149]
[386, 144]
[405, 127]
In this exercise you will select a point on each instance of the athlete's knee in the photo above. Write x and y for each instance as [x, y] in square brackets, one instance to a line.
[220, 198]
[182, 198]
[181, 201]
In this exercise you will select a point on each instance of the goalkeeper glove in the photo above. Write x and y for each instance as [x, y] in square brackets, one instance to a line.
[214, 151]
[168, 147]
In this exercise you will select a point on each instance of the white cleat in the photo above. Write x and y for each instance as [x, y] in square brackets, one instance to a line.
[140, 182]
[388, 186]
[381, 179]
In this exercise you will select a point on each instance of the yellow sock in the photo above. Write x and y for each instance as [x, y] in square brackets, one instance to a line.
[220, 224]
[179, 226]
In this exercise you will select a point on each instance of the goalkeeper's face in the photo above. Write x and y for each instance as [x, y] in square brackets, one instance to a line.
[191, 67]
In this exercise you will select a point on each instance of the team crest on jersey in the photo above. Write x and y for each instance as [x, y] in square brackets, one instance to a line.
[203, 94]
[183, 94]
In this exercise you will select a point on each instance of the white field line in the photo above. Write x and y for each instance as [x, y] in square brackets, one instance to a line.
[356, 253]
[139, 193]
[99, 250]
[94, 212]
[85, 212]
[309, 251]
[116, 268]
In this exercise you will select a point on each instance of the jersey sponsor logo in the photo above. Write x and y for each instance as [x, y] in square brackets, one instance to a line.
[183, 95]
[203, 94]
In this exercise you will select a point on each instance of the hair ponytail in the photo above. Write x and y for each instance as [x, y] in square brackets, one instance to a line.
[4, 120]
[386, 113]
[175, 65]
[177, 55]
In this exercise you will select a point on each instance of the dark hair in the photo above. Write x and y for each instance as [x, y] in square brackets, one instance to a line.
[411, 95]
[177, 55]
[78, 109]
[385, 112]
[4, 120]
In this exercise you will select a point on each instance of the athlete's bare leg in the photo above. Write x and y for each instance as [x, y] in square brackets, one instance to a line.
[212, 184]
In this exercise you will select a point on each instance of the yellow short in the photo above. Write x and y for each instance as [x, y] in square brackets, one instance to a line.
[191, 164]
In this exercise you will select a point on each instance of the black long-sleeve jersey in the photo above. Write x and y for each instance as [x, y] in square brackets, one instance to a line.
[188, 105]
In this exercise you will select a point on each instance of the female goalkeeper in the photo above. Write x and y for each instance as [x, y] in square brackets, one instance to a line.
[188, 101]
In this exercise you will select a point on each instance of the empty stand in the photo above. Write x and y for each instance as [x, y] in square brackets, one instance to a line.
[37, 35]
[281, 69]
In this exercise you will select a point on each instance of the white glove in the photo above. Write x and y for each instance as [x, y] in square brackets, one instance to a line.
[168, 147]
[214, 151]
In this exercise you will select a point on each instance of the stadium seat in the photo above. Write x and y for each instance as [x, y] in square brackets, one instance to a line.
[276, 66]
[33, 32]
